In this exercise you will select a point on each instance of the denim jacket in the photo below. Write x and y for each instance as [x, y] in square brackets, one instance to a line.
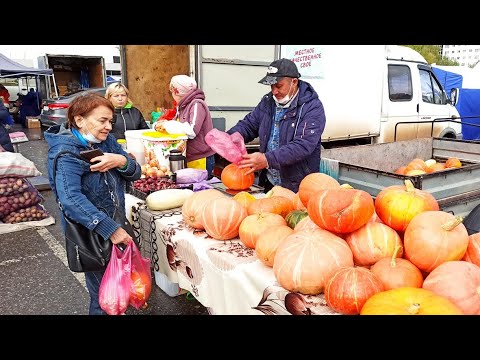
[90, 198]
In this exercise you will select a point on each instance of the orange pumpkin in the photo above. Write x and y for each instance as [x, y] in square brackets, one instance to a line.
[275, 204]
[415, 164]
[234, 178]
[278, 190]
[349, 288]
[435, 167]
[459, 282]
[341, 210]
[372, 242]
[397, 205]
[409, 301]
[473, 249]
[314, 182]
[434, 237]
[297, 203]
[244, 198]
[306, 223]
[453, 162]
[192, 207]
[306, 259]
[395, 272]
[253, 225]
[400, 170]
[268, 242]
[222, 217]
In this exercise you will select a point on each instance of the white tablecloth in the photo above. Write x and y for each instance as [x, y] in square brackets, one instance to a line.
[224, 276]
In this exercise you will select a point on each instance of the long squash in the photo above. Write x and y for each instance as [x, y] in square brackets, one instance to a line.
[167, 198]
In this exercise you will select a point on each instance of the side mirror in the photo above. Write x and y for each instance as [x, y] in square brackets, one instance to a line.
[454, 96]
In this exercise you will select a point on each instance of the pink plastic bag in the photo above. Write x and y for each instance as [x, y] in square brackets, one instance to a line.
[141, 279]
[114, 293]
[230, 147]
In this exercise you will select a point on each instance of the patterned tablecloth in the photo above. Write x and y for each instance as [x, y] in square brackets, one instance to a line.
[224, 276]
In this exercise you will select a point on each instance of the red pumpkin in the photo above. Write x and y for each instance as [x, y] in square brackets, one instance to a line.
[349, 288]
[459, 282]
[396, 272]
[434, 237]
[341, 210]
[222, 217]
[372, 242]
[397, 205]
[314, 182]
[306, 259]
[234, 178]
[473, 249]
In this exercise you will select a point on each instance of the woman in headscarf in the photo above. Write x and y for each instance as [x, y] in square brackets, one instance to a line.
[196, 121]
[127, 116]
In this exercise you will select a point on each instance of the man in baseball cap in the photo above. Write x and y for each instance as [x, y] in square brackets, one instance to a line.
[278, 69]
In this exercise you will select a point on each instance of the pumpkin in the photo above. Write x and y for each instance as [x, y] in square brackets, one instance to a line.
[234, 178]
[268, 242]
[458, 281]
[275, 204]
[306, 259]
[453, 162]
[141, 288]
[341, 210]
[278, 190]
[395, 272]
[222, 217]
[306, 223]
[415, 164]
[349, 288]
[473, 249]
[297, 203]
[244, 198]
[409, 301]
[314, 182]
[294, 217]
[253, 225]
[434, 237]
[397, 205]
[192, 207]
[400, 170]
[372, 242]
[435, 167]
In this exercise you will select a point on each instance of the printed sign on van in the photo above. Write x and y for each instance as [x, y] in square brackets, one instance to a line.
[308, 58]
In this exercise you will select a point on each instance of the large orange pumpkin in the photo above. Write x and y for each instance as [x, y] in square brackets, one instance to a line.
[396, 272]
[409, 301]
[434, 237]
[297, 203]
[268, 242]
[254, 225]
[193, 206]
[278, 190]
[349, 288]
[397, 205]
[372, 242]
[235, 178]
[306, 259]
[314, 182]
[473, 250]
[222, 217]
[341, 210]
[458, 281]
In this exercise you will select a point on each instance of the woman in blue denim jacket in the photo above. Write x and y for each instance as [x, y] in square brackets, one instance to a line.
[91, 192]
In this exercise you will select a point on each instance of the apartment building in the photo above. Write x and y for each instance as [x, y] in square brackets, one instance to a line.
[465, 55]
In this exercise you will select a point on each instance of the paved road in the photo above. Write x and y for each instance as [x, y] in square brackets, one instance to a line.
[34, 277]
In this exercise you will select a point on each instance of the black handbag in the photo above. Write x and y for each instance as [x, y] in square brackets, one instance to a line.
[87, 250]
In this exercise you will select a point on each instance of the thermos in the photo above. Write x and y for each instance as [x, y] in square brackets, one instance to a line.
[177, 160]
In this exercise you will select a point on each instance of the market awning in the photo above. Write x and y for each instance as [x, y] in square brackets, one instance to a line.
[10, 68]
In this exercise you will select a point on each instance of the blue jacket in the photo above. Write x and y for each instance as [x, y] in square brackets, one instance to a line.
[300, 135]
[84, 195]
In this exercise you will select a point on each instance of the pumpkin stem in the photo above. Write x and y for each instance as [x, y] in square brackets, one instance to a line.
[413, 308]
[346, 186]
[409, 185]
[393, 263]
[452, 224]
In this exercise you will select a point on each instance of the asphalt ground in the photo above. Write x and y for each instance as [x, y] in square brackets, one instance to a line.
[34, 277]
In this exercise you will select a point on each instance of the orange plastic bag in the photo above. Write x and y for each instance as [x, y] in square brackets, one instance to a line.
[114, 293]
[141, 279]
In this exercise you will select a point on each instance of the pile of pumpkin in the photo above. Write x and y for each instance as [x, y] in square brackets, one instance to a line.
[419, 167]
[395, 254]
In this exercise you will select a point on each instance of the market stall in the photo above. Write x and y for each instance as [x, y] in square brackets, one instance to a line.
[224, 276]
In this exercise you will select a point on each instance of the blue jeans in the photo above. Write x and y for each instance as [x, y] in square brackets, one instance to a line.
[210, 165]
[93, 280]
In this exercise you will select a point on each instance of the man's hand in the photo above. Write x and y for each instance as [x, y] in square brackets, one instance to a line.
[108, 161]
[255, 161]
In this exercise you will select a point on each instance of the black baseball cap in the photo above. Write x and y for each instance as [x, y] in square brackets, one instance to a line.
[278, 69]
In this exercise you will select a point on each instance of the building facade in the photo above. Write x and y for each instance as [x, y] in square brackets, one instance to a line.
[465, 55]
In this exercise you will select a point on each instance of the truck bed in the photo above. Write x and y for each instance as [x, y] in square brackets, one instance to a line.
[371, 168]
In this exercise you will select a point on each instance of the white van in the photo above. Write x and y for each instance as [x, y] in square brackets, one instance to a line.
[375, 93]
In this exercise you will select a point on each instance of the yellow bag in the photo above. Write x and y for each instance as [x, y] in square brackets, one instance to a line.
[200, 164]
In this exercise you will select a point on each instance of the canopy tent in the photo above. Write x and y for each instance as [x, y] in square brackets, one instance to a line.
[10, 68]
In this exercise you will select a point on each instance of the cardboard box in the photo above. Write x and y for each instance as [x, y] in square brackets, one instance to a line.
[33, 122]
